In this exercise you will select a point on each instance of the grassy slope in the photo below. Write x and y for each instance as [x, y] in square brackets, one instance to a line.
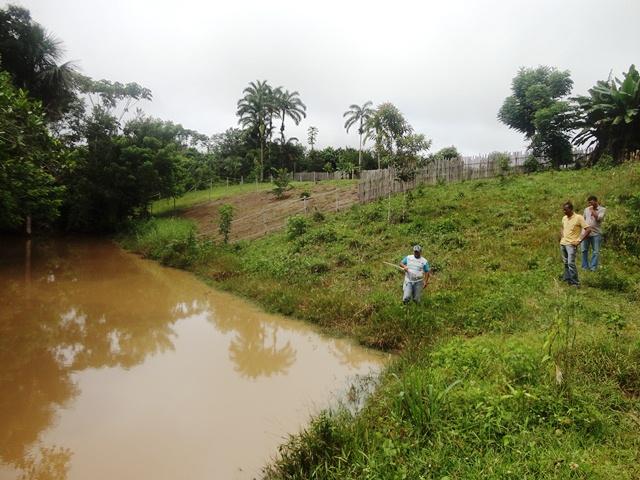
[473, 394]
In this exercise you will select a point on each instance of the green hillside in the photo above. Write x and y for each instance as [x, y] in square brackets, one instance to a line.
[503, 372]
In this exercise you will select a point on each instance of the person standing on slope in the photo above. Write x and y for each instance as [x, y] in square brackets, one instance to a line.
[570, 237]
[593, 215]
[416, 276]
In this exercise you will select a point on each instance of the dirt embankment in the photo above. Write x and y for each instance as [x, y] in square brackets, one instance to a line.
[258, 213]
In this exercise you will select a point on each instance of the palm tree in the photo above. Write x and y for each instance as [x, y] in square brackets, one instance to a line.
[361, 115]
[611, 116]
[31, 55]
[288, 104]
[254, 112]
[386, 125]
[312, 133]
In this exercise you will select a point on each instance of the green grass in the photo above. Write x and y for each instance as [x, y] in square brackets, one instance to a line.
[474, 392]
[160, 207]
[171, 241]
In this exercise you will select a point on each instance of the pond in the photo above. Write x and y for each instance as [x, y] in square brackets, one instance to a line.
[112, 366]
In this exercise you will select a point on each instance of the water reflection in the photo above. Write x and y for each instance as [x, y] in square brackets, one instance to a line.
[53, 325]
[256, 352]
[70, 306]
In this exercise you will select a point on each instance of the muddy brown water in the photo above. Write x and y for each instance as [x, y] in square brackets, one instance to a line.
[112, 366]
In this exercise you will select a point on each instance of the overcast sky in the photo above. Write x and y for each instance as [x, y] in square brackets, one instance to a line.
[447, 65]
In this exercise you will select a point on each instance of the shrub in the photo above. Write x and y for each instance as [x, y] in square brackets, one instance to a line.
[296, 226]
[281, 182]
[323, 235]
[226, 217]
[501, 161]
[531, 164]
[445, 226]
[605, 162]
[171, 241]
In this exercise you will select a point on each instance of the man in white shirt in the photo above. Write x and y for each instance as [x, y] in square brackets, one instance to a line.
[593, 215]
[416, 276]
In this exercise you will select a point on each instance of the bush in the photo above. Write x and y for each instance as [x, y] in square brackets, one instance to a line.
[226, 217]
[296, 226]
[318, 216]
[323, 235]
[501, 162]
[282, 182]
[605, 162]
[171, 241]
[531, 164]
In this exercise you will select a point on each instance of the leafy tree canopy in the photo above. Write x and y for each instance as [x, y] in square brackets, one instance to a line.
[31, 55]
[537, 109]
[31, 161]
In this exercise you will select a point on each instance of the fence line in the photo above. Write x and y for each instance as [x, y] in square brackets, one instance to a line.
[318, 176]
[376, 184]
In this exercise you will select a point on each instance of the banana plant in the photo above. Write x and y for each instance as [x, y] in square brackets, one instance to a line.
[610, 116]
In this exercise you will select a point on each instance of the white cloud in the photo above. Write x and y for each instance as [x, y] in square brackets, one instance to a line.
[447, 66]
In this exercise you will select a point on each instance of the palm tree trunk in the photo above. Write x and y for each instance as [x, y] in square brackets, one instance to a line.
[360, 153]
[262, 160]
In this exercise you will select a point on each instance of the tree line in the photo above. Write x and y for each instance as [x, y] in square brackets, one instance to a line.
[80, 154]
[606, 120]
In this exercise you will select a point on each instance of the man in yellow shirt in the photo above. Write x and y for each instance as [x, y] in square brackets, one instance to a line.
[570, 237]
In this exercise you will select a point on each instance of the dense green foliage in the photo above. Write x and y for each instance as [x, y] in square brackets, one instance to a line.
[537, 109]
[257, 111]
[446, 153]
[611, 116]
[504, 372]
[386, 125]
[30, 54]
[31, 161]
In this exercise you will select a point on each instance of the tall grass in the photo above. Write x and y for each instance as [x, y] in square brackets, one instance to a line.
[170, 241]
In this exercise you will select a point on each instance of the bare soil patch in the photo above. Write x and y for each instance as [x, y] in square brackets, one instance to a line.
[258, 213]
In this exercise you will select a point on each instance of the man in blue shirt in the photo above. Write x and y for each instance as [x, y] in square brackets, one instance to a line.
[416, 276]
